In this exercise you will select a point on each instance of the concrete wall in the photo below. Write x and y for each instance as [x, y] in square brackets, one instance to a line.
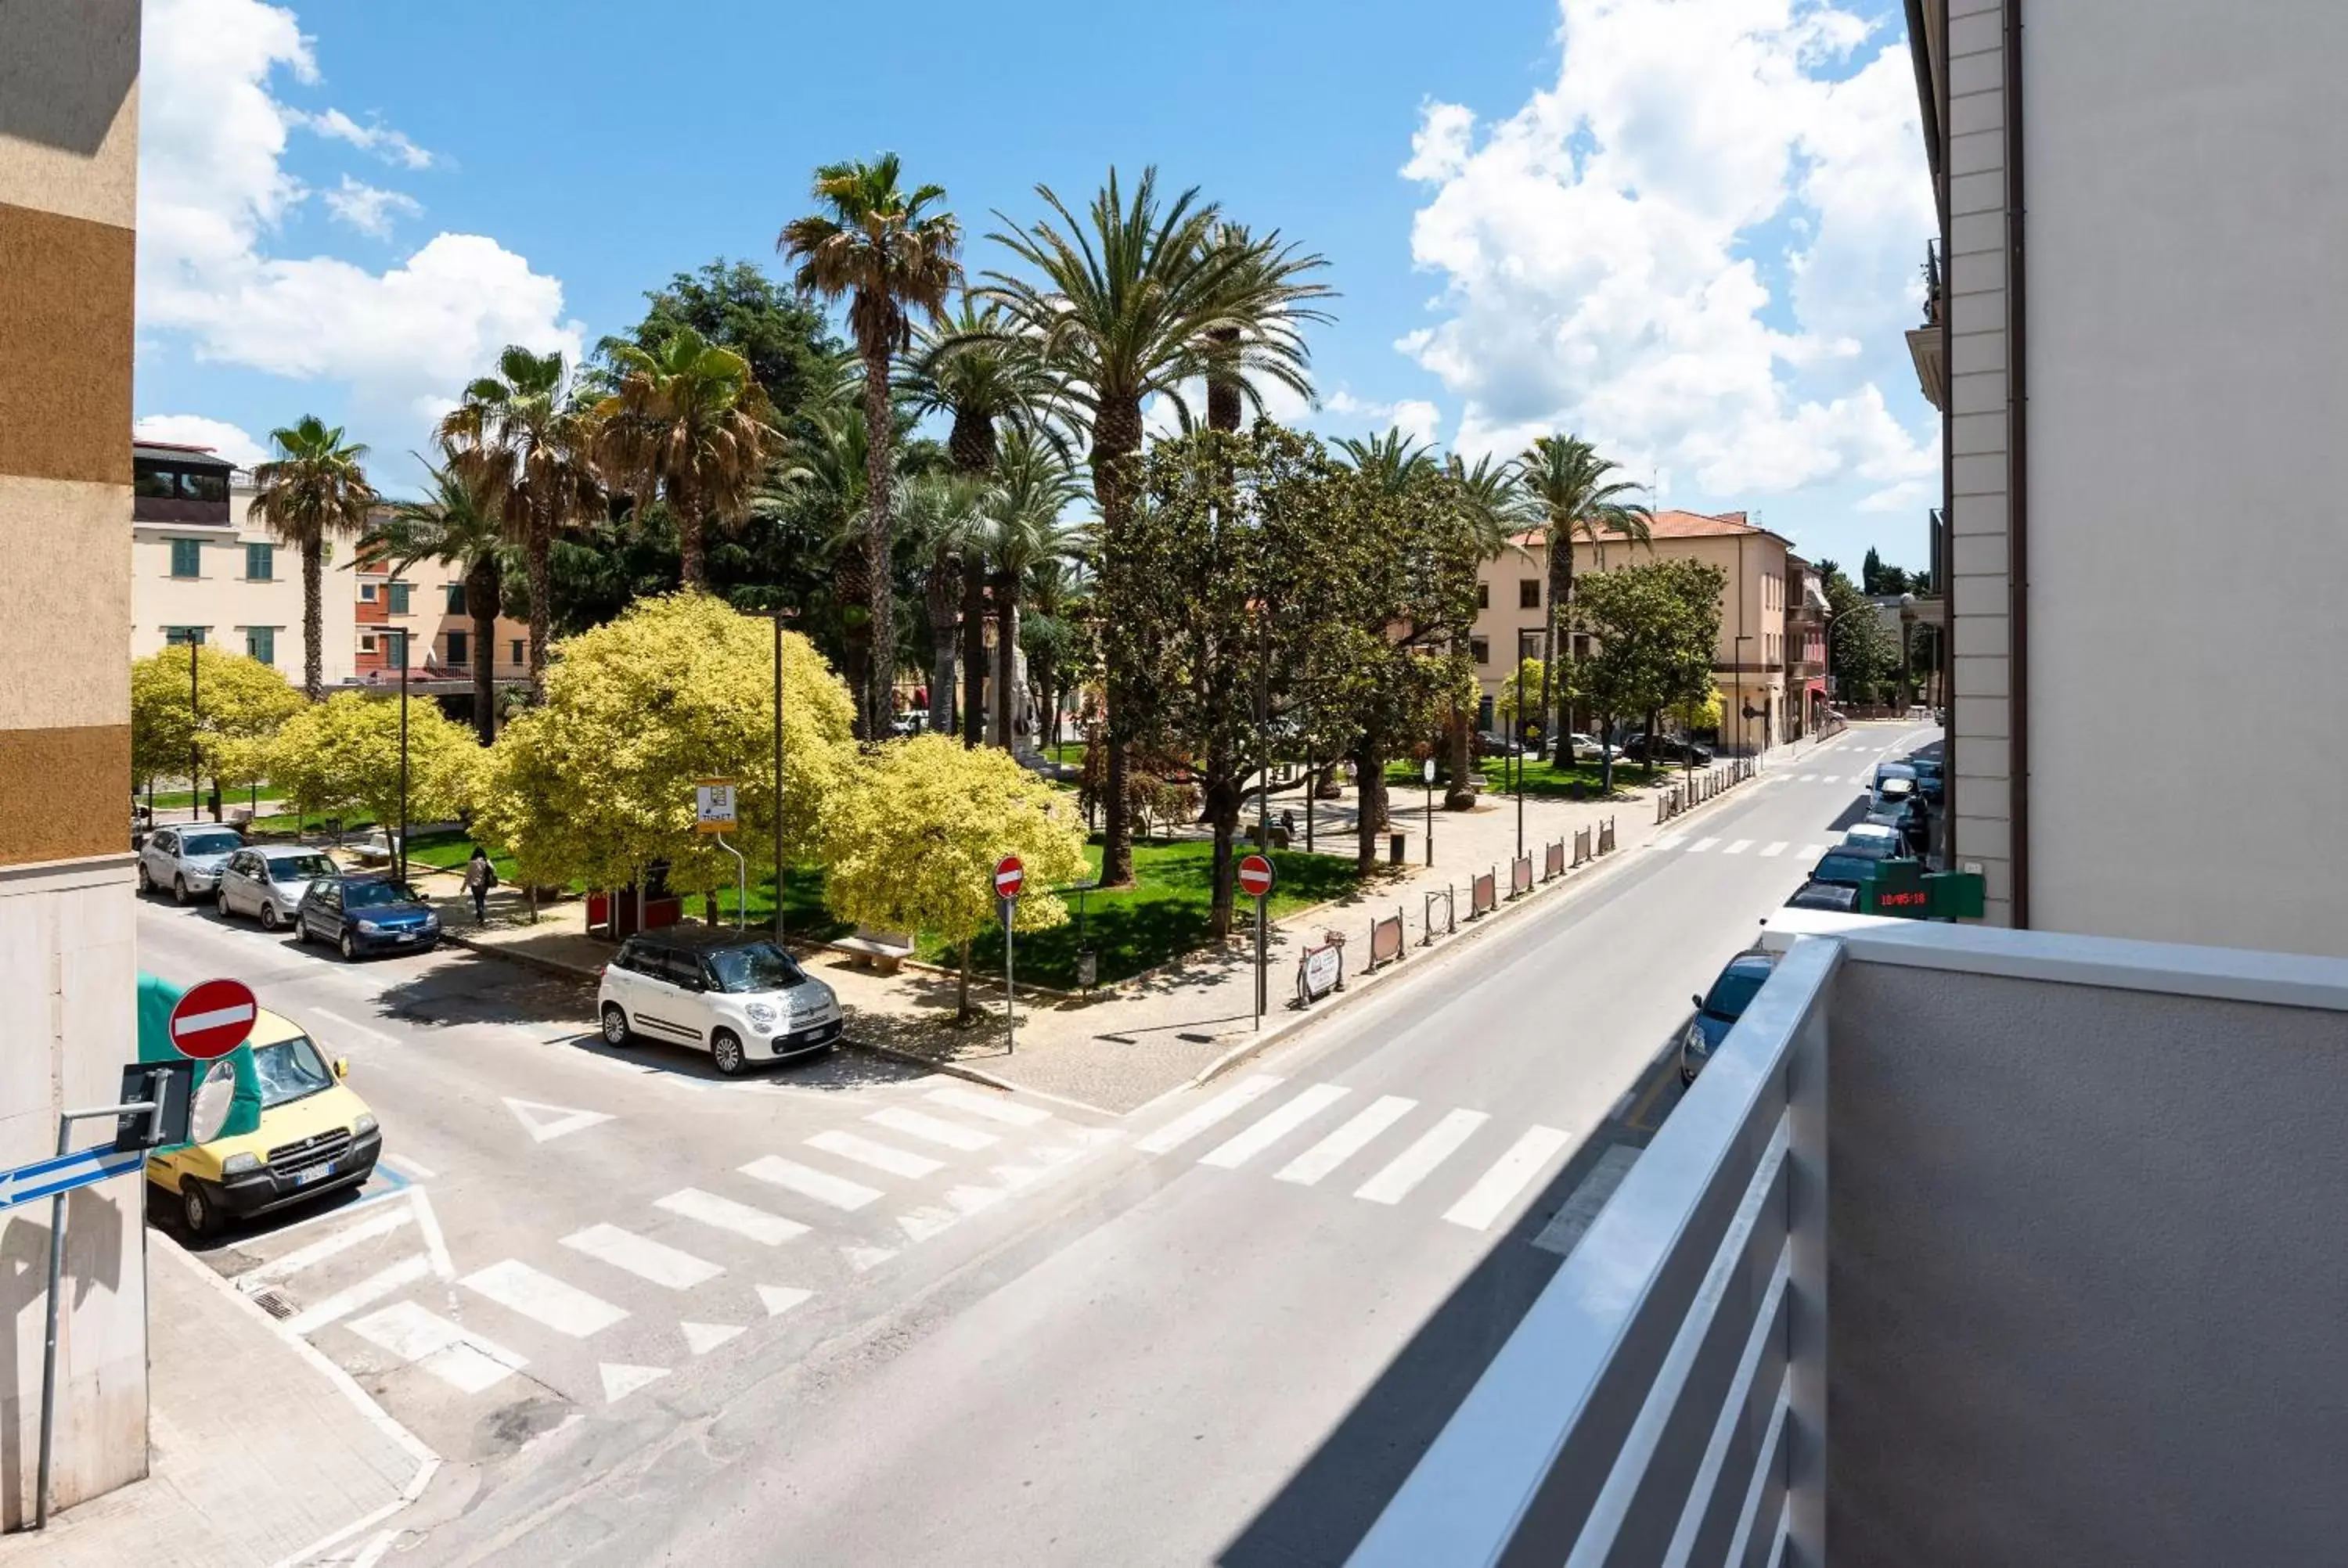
[2085, 1275]
[2187, 403]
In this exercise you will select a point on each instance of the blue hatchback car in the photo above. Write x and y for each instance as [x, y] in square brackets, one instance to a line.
[360, 916]
[1717, 1011]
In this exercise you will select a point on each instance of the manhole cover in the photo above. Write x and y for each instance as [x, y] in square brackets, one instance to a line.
[277, 1304]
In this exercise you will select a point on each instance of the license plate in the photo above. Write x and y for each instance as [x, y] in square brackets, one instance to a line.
[314, 1174]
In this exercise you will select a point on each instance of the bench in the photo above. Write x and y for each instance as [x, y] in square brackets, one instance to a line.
[376, 849]
[882, 952]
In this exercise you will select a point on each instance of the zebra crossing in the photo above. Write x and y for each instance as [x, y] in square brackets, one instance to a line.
[1390, 1151]
[603, 1310]
[1686, 845]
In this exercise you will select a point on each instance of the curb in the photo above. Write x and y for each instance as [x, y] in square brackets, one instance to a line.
[969, 1074]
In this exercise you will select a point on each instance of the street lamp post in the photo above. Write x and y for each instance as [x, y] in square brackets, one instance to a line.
[1744, 724]
[403, 757]
[195, 724]
[1519, 737]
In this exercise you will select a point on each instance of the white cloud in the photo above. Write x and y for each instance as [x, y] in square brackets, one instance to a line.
[1414, 416]
[378, 139]
[213, 193]
[369, 208]
[194, 430]
[1606, 249]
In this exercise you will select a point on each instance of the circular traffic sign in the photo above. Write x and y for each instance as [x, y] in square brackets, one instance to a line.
[1009, 877]
[1255, 875]
[213, 1019]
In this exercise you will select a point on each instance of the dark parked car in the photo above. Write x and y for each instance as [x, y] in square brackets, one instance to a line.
[1496, 744]
[1840, 865]
[1930, 781]
[1693, 753]
[364, 915]
[1841, 897]
[1717, 1011]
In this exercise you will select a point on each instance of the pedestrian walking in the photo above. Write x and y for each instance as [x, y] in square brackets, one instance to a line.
[479, 878]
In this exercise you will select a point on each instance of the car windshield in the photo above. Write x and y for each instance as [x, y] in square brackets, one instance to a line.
[223, 843]
[759, 967]
[375, 895]
[300, 867]
[1868, 847]
[289, 1069]
[1842, 868]
[1825, 895]
[1733, 992]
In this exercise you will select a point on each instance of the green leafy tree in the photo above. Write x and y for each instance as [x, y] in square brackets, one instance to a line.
[780, 332]
[1861, 655]
[890, 255]
[1530, 677]
[236, 706]
[912, 841]
[598, 782]
[1568, 488]
[341, 756]
[1655, 628]
[312, 491]
[1123, 305]
[458, 523]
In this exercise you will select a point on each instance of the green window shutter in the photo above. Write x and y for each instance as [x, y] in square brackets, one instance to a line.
[187, 557]
[399, 599]
[456, 599]
[260, 642]
[180, 636]
[460, 645]
[260, 562]
[517, 655]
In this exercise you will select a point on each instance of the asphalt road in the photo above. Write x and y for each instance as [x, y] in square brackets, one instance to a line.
[1223, 1336]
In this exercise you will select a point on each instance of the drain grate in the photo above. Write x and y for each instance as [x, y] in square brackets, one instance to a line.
[277, 1304]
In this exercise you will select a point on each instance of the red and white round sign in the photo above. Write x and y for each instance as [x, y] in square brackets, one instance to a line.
[1009, 877]
[1255, 875]
[213, 1019]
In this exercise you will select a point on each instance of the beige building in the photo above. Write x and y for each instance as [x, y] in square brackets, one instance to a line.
[68, 955]
[1763, 700]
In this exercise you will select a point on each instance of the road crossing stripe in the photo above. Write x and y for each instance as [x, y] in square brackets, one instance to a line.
[701, 1339]
[880, 1157]
[1507, 1178]
[1739, 847]
[1346, 1141]
[809, 1182]
[641, 1256]
[295, 1262]
[778, 1299]
[1807, 778]
[726, 1215]
[1810, 849]
[1416, 1164]
[994, 1107]
[543, 1299]
[1192, 1122]
[1778, 848]
[1701, 844]
[915, 1124]
[435, 1345]
[1671, 841]
[1238, 1150]
[365, 1293]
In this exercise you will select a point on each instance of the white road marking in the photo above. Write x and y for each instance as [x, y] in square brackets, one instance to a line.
[1192, 1122]
[428, 1225]
[1739, 847]
[1776, 848]
[544, 1299]
[375, 1287]
[726, 1215]
[466, 1366]
[319, 1251]
[1416, 1164]
[809, 1182]
[1701, 844]
[555, 1121]
[641, 1256]
[701, 1339]
[1671, 841]
[932, 1129]
[1238, 1150]
[880, 1157]
[408, 1168]
[1562, 1231]
[778, 1299]
[1810, 849]
[456, 1356]
[863, 1259]
[621, 1379]
[372, 1553]
[1507, 1178]
[970, 1200]
[1807, 778]
[923, 1223]
[994, 1107]
[1345, 1142]
[336, 1018]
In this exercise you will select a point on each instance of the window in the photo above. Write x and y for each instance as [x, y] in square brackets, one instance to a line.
[1477, 649]
[398, 597]
[260, 642]
[516, 658]
[458, 648]
[1582, 645]
[180, 636]
[260, 562]
[187, 557]
[456, 599]
[366, 594]
[367, 642]
[160, 482]
[1529, 593]
[1483, 596]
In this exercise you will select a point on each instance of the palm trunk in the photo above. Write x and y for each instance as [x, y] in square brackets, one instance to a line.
[313, 622]
[974, 653]
[1116, 437]
[941, 590]
[694, 559]
[1006, 655]
[481, 592]
[1370, 799]
[880, 433]
[1560, 595]
[540, 565]
[1224, 798]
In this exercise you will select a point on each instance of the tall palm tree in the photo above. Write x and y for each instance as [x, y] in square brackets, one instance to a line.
[1033, 488]
[830, 468]
[944, 512]
[1123, 305]
[881, 247]
[527, 434]
[460, 522]
[1568, 492]
[1053, 596]
[687, 425]
[314, 489]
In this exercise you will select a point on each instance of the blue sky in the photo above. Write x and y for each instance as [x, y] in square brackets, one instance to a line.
[1685, 228]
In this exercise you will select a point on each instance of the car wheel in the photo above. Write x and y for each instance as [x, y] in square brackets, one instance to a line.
[219, 900]
[146, 882]
[726, 1051]
[180, 891]
[198, 1212]
[269, 920]
[616, 1025]
[350, 949]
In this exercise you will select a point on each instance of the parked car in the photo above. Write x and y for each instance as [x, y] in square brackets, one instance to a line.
[1931, 781]
[1496, 744]
[269, 883]
[185, 860]
[360, 916]
[1693, 753]
[1842, 898]
[1893, 771]
[1591, 749]
[1840, 865]
[733, 994]
[1892, 793]
[316, 1135]
[1717, 1010]
[1870, 841]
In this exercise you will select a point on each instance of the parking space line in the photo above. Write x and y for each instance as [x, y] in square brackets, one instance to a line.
[295, 1262]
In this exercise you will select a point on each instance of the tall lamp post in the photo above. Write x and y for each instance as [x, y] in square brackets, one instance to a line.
[781, 615]
[402, 851]
[1744, 708]
[195, 726]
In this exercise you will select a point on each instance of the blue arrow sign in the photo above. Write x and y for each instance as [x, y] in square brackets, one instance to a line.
[48, 1178]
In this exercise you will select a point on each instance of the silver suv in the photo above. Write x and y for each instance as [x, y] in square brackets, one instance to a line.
[267, 883]
[186, 861]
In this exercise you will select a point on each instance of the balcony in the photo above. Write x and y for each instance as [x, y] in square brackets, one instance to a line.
[1970, 1246]
[1924, 342]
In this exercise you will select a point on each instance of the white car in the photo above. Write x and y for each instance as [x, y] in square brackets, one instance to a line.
[186, 861]
[1590, 748]
[267, 883]
[733, 994]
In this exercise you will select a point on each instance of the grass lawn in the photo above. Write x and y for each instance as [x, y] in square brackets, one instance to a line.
[1542, 780]
[1072, 752]
[180, 799]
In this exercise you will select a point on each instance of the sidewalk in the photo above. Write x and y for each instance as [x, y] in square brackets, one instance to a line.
[260, 1451]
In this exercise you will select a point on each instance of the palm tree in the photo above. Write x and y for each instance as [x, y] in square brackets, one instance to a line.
[526, 436]
[315, 488]
[1053, 597]
[943, 513]
[877, 244]
[1567, 491]
[1124, 305]
[829, 467]
[1391, 461]
[459, 523]
[687, 425]
[1494, 507]
[1033, 487]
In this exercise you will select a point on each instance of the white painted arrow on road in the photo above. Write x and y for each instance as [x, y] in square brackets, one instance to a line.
[544, 1123]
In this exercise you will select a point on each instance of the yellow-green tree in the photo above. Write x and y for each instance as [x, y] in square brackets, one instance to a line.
[914, 841]
[598, 784]
[237, 705]
[1530, 677]
[342, 756]
[1702, 714]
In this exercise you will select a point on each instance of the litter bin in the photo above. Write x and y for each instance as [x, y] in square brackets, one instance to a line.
[1087, 969]
[1394, 847]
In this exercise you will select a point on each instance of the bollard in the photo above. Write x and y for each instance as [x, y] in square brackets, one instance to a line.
[1606, 837]
[1553, 860]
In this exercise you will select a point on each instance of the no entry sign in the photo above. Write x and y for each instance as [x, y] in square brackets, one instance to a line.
[1009, 877]
[212, 1020]
[1255, 875]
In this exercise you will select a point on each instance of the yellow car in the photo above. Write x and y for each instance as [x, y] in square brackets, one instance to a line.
[315, 1136]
